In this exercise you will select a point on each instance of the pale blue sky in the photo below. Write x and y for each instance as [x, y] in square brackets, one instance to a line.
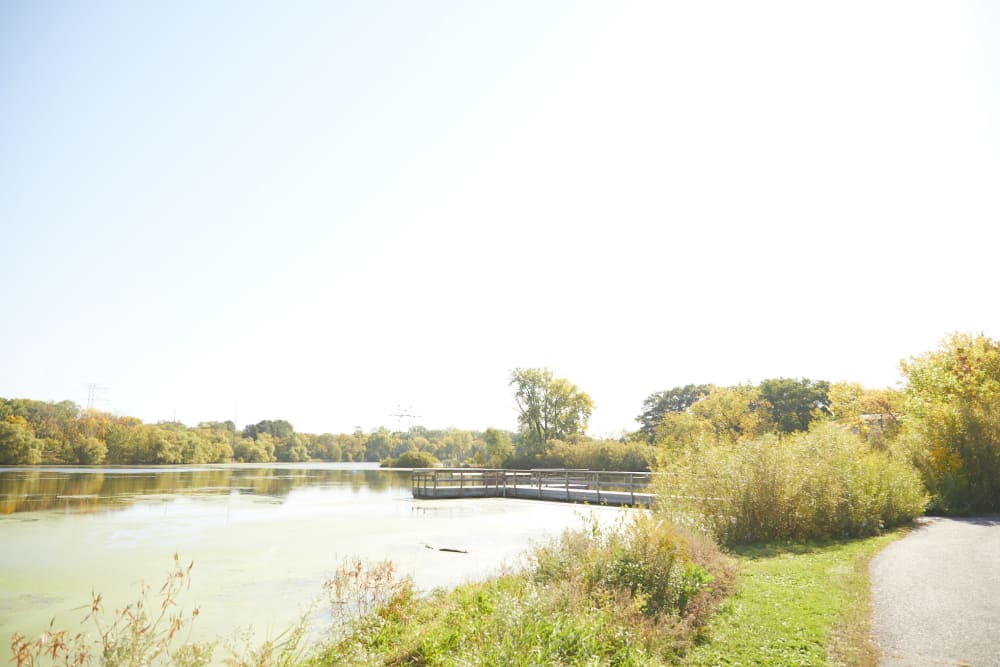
[319, 211]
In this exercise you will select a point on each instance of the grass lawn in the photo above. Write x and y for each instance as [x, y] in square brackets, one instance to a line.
[799, 603]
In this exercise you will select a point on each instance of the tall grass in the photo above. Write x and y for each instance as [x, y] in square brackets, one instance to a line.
[152, 630]
[823, 483]
[637, 594]
[661, 567]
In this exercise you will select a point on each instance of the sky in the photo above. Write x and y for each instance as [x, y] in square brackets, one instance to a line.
[335, 212]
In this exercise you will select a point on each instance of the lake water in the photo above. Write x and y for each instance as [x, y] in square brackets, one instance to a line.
[263, 537]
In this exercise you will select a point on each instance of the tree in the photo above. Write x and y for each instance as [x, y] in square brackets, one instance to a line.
[123, 437]
[18, 443]
[549, 408]
[325, 447]
[679, 430]
[56, 421]
[876, 414]
[953, 422]
[454, 446]
[661, 403]
[90, 450]
[249, 450]
[227, 426]
[352, 446]
[277, 428]
[163, 444]
[735, 413]
[291, 448]
[795, 403]
[380, 444]
[498, 447]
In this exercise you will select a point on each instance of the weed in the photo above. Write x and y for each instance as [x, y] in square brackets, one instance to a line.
[634, 594]
[145, 632]
[360, 592]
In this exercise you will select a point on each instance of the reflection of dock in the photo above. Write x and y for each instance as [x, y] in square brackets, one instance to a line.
[576, 486]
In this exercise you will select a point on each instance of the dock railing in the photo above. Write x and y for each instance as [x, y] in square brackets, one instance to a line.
[596, 486]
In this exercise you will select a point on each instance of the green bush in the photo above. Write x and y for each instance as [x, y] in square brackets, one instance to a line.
[823, 483]
[953, 425]
[411, 459]
[663, 568]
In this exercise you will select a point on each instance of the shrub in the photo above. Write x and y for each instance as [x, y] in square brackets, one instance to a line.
[823, 483]
[633, 595]
[664, 568]
[411, 459]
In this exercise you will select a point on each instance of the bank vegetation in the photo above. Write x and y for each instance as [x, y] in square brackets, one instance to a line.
[798, 475]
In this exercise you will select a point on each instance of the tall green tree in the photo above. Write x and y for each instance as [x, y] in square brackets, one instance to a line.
[325, 447]
[953, 422]
[876, 414]
[18, 443]
[680, 430]
[661, 403]
[90, 450]
[277, 428]
[380, 444]
[498, 447]
[454, 446]
[734, 413]
[549, 408]
[795, 403]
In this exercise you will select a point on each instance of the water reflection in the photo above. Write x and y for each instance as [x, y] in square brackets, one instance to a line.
[89, 490]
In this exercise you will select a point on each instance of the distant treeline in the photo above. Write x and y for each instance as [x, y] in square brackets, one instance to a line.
[945, 423]
[40, 432]
[554, 414]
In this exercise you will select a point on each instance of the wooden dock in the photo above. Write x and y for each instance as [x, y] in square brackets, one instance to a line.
[574, 486]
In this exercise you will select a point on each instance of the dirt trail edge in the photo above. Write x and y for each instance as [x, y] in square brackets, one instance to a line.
[936, 595]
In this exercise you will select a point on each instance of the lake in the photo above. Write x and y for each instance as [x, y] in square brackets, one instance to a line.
[263, 537]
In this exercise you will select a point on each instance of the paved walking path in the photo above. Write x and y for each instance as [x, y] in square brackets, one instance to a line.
[936, 595]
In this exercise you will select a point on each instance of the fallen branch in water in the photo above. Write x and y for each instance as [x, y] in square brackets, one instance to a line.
[448, 549]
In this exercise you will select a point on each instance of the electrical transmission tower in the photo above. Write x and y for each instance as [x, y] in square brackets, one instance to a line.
[402, 414]
[92, 389]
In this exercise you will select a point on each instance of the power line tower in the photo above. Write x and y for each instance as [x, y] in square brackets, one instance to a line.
[402, 414]
[92, 390]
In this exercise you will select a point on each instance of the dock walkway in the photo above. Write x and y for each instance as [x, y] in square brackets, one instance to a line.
[575, 486]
